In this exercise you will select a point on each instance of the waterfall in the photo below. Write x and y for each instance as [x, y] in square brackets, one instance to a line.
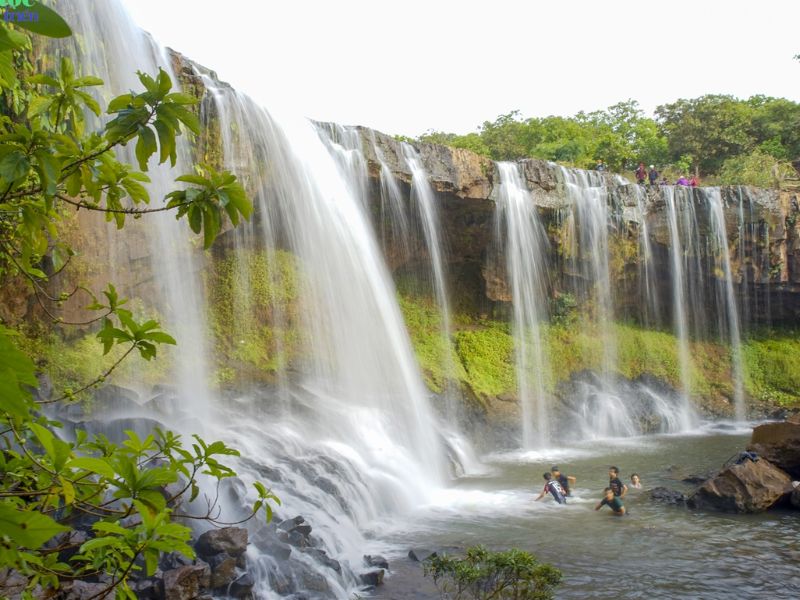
[423, 198]
[720, 237]
[679, 304]
[174, 262]
[522, 236]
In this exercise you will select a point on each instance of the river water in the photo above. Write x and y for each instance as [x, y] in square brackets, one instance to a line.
[656, 551]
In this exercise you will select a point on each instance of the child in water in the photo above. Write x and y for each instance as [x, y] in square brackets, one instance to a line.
[636, 481]
[555, 489]
[612, 501]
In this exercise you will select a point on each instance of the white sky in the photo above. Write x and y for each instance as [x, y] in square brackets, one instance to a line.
[413, 65]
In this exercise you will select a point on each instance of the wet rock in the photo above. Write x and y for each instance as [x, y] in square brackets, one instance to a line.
[372, 577]
[269, 543]
[779, 443]
[242, 586]
[322, 557]
[185, 583]
[697, 479]
[304, 530]
[421, 554]
[290, 524]
[312, 581]
[281, 583]
[376, 561]
[667, 496]
[794, 499]
[223, 569]
[746, 488]
[228, 540]
[12, 583]
[298, 540]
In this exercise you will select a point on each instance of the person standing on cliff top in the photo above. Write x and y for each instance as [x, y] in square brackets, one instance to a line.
[652, 175]
[694, 181]
[600, 166]
[641, 174]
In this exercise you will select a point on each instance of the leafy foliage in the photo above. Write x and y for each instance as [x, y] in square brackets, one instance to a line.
[132, 492]
[482, 574]
[701, 133]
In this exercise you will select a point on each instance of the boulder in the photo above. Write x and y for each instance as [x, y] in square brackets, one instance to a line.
[420, 554]
[228, 540]
[223, 569]
[84, 590]
[150, 588]
[745, 488]
[794, 499]
[242, 586]
[322, 557]
[185, 583]
[667, 496]
[290, 524]
[779, 443]
[376, 561]
[372, 577]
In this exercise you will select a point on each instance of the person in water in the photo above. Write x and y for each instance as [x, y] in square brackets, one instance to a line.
[612, 501]
[636, 481]
[566, 481]
[615, 484]
[554, 488]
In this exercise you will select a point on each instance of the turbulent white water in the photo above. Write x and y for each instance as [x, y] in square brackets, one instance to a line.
[525, 247]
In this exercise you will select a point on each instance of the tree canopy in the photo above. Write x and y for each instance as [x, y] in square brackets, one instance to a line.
[700, 134]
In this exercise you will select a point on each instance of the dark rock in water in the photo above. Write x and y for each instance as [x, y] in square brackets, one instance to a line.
[270, 544]
[745, 488]
[322, 557]
[230, 540]
[698, 478]
[779, 443]
[241, 561]
[376, 561]
[44, 391]
[298, 540]
[421, 554]
[107, 400]
[794, 499]
[302, 529]
[242, 586]
[290, 524]
[223, 569]
[185, 583]
[312, 581]
[281, 583]
[667, 496]
[372, 577]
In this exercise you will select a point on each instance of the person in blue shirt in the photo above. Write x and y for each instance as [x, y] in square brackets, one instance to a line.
[554, 488]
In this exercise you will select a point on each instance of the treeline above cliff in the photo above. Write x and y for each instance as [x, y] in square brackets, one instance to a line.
[722, 138]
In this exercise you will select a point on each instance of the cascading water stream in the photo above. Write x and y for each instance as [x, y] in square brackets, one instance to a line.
[720, 234]
[174, 261]
[422, 196]
[679, 304]
[522, 236]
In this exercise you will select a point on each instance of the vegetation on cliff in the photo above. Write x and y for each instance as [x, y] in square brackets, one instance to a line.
[727, 140]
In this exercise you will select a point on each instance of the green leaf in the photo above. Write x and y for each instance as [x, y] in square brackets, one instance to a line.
[45, 437]
[161, 338]
[119, 103]
[17, 376]
[145, 146]
[28, 528]
[49, 23]
[14, 165]
[95, 465]
[11, 40]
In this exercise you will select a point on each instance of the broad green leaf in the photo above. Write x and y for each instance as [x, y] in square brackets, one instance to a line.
[11, 40]
[145, 146]
[14, 165]
[95, 465]
[49, 23]
[28, 528]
